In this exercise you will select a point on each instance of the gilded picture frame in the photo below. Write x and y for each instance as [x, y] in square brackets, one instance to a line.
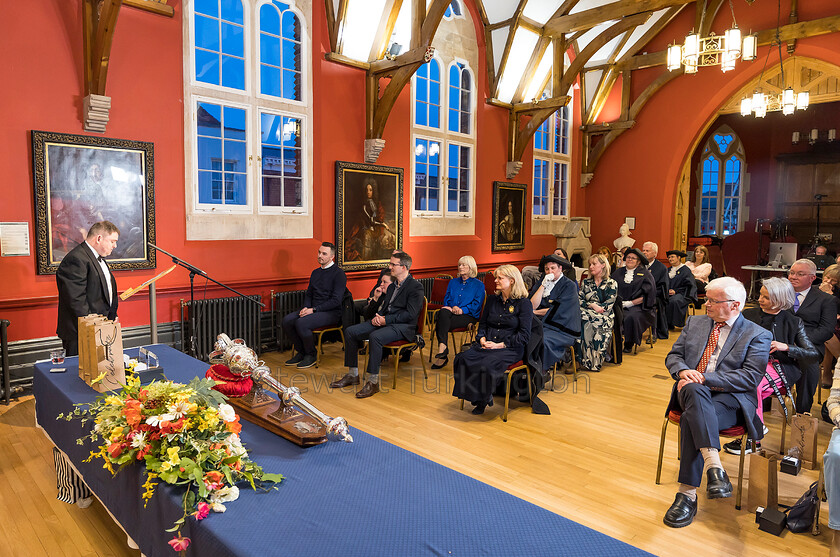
[80, 180]
[369, 214]
[509, 203]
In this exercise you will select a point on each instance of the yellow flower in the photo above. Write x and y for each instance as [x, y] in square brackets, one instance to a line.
[172, 453]
[165, 466]
[113, 400]
[149, 487]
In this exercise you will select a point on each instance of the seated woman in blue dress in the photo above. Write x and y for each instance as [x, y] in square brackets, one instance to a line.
[555, 301]
[637, 290]
[683, 289]
[503, 334]
[461, 306]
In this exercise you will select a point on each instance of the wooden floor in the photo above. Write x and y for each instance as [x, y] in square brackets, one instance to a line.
[593, 460]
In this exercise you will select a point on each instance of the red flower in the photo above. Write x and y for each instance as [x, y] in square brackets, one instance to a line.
[115, 449]
[202, 512]
[179, 543]
[213, 476]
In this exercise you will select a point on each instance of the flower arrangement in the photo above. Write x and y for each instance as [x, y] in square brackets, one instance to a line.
[186, 435]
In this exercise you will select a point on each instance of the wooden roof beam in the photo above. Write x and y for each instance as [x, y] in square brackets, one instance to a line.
[153, 6]
[590, 18]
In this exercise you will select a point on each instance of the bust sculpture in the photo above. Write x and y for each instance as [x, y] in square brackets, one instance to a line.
[624, 240]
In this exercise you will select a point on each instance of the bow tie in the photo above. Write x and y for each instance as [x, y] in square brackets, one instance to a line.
[100, 259]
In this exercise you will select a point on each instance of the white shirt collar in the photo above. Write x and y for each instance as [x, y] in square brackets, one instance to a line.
[95, 253]
[802, 294]
[328, 265]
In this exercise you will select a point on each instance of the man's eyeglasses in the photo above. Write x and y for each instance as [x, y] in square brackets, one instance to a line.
[713, 302]
[390, 264]
[798, 274]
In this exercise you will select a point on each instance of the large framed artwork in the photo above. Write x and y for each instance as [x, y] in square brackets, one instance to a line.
[508, 216]
[369, 214]
[80, 180]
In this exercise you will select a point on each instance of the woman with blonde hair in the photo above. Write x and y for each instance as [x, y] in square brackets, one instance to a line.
[503, 334]
[597, 298]
[461, 306]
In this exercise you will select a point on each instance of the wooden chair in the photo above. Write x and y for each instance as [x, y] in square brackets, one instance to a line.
[320, 333]
[436, 302]
[673, 416]
[518, 366]
[650, 340]
[574, 368]
[466, 332]
[398, 346]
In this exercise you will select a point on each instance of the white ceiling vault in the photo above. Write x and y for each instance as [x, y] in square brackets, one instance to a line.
[537, 50]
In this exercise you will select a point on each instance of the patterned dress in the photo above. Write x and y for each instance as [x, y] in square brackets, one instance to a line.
[596, 328]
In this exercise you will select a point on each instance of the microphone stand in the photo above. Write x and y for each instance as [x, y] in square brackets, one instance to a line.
[818, 197]
[196, 271]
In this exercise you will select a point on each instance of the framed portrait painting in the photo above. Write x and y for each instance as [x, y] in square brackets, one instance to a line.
[81, 180]
[369, 215]
[508, 216]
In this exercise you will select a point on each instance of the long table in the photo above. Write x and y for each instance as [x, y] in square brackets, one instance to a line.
[366, 498]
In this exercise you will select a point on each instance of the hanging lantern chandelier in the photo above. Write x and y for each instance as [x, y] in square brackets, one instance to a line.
[714, 50]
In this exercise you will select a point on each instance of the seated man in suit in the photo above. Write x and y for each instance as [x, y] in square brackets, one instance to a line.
[85, 283]
[818, 311]
[391, 315]
[321, 307]
[555, 301]
[717, 363]
[663, 287]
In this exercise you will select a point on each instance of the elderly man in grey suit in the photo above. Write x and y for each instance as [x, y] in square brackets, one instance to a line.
[717, 362]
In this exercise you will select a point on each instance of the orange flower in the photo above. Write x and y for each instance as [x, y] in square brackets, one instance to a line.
[115, 449]
[131, 411]
[213, 476]
[234, 426]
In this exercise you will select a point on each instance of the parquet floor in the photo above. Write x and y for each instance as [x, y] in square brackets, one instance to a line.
[593, 460]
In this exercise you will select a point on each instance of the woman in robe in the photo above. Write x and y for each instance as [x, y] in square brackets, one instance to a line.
[461, 306]
[597, 297]
[555, 301]
[683, 289]
[503, 334]
[637, 290]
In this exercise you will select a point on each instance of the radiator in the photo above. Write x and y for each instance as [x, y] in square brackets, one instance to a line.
[283, 303]
[4, 360]
[427, 283]
[237, 317]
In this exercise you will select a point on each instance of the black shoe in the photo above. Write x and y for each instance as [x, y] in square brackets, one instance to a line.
[479, 408]
[308, 361]
[295, 360]
[443, 358]
[345, 381]
[734, 447]
[627, 350]
[718, 485]
[405, 356]
[682, 511]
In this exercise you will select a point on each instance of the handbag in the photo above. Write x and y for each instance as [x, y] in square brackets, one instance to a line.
[800, 515]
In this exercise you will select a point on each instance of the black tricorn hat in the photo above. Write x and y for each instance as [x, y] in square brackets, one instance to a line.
[564, 263]
[638, 254]
[675, 252]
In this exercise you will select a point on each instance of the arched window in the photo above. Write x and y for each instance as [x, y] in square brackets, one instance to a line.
[427, 103]
[453, 10]
[720, 191]
[460, 98]
[280, 45]
[248, 119]
[220, 43]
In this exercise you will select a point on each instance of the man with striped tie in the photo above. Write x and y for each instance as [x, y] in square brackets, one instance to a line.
[717, 362]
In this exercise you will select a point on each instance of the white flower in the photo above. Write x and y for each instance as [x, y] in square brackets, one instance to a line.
[139, 440]
[217, 507]
[224, 495]
[235, 445]
[226, 412]
[179, 409]
[155, 421]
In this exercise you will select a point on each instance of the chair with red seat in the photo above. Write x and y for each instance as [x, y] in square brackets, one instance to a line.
[398, 346]
[489, 283]
[673, 416]
[513, 368]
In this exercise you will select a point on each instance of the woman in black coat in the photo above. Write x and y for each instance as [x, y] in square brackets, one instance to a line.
[503, 333]
[637, 290]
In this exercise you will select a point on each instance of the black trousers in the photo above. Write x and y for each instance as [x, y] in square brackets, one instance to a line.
[71, 346]
[806, 386]
[299, 329]
[704, 414]
[376, 336]
[446, 321]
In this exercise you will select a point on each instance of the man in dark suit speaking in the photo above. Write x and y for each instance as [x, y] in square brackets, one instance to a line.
[717, 362]
[85, 284]
[391, 315]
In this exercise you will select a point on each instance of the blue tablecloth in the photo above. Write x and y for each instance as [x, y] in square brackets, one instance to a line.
[366, 498]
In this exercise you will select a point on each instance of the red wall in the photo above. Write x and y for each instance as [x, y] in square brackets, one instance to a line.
[44, 90]
[639, 173]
